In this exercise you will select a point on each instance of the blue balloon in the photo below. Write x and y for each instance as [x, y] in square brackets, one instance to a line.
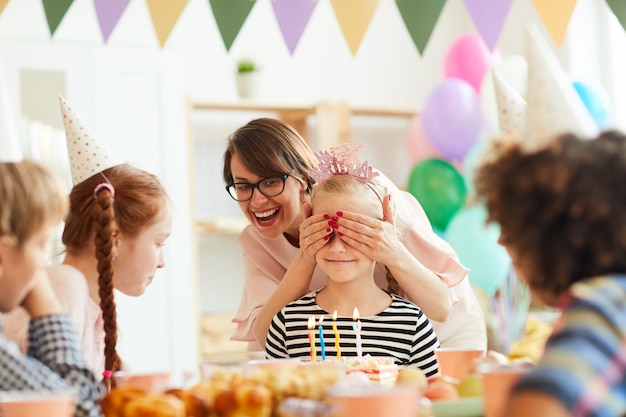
[476, 244]
[594, 103]
[472, 160]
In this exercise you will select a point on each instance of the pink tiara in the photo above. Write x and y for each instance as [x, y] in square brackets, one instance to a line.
[342, 160]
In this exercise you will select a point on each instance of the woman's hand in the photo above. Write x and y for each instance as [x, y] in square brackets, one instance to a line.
[314, 231]
[376, 239]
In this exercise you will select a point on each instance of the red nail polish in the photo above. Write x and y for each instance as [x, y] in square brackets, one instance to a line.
[335, 218]
[328, 230]
[326, 216]
[326, 237]
[340, 213]
[330, 222]
[339, 234]
[335, 225]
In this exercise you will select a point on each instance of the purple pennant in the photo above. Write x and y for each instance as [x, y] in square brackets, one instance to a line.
[292, 17]
[489, 17]
[109, 13]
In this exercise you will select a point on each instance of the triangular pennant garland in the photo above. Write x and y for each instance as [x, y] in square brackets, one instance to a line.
[354, 17]
[165, 14]
[619, 9]
[555, 15]
[230, 16]
[109, 13]
[55, 11]
[488, 17]
[3, 3]
[420, 18]
[292, 17]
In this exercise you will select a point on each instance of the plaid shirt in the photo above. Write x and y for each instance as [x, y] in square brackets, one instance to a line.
[54, 363]
[584, 364]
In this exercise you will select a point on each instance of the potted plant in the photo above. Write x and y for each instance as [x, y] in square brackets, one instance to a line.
[247, 78]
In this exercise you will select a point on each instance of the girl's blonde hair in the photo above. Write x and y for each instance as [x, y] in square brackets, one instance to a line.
[30, 198]
[370, 194]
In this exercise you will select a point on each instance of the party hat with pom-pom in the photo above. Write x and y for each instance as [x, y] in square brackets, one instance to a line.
[88, 155]
[511, 109]
[553, 106]
[10, 150]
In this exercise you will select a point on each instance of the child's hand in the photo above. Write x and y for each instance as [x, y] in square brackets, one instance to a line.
[314, 231]
[41, 300]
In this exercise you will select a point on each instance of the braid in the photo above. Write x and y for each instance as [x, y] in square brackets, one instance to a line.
[392, 285]
[104, 217]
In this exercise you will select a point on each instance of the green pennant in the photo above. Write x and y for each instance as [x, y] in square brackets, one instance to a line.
[55, 11]
[619, 9]
[230, 16]
[420, 17]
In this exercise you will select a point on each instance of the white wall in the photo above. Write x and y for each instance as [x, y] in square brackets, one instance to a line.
[118, 99]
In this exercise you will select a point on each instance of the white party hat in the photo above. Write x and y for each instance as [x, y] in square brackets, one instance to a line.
[554, 107]
[87, 154]
[511, 109]
[10, 149]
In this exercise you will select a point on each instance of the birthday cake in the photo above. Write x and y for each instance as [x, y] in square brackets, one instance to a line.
[378, 369]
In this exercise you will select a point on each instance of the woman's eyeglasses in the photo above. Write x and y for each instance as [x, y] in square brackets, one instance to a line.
[268, 186]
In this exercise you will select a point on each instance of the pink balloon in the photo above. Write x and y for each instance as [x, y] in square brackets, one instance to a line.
[468, 59]
[418, 144]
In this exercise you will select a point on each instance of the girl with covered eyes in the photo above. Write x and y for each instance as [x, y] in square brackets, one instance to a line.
[266, 169]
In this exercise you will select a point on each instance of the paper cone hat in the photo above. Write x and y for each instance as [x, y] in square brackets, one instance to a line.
[87, 154]
[10, 150]
[511, 109]
[554, 107]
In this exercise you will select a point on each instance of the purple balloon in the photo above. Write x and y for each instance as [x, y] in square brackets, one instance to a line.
[453, 118]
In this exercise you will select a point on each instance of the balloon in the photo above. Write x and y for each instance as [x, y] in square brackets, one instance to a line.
[476, 244]
[594, 102]
[514, 69]
[440, 189]
[453, 118]
[418, 145]
[472, 161]
[468, 59]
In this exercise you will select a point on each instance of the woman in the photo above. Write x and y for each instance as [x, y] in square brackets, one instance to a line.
[562, 212]
[266, 167]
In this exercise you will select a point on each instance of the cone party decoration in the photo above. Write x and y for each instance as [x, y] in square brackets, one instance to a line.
[511, 109]
[87, 154]
[553, 106]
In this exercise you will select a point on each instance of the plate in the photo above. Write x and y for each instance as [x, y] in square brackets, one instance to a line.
[463, 407]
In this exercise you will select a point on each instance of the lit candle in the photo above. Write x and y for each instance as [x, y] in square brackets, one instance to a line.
[321, 331]
[357, 329]
[311, 327]
[337, 347]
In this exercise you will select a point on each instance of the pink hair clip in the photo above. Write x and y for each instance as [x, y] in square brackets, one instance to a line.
[101, 187]
[342, 160]
[107, 374]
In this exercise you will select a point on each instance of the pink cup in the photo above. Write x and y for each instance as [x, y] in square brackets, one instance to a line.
[149, 382]
[374, 400]
[40, 404]
[457, 362]
[497, 385]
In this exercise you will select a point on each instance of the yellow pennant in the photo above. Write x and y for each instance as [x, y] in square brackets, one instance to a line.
[2, 4]
[354, 17]
[555, 15]
[165, 14]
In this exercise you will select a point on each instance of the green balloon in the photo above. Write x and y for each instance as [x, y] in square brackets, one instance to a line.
[440, 189]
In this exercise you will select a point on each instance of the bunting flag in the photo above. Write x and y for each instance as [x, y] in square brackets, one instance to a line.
[3, 3]
[230, 16]
[619, 8]
[555, 15]
[293, 17]
[165, 14]
[354, 17]
[420, 18]
[488, 17]
[109, 13]
[55, 11]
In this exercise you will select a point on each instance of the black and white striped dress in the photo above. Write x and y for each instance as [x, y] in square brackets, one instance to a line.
[401, 331]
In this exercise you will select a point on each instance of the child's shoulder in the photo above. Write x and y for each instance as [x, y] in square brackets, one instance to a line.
[399, 302]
